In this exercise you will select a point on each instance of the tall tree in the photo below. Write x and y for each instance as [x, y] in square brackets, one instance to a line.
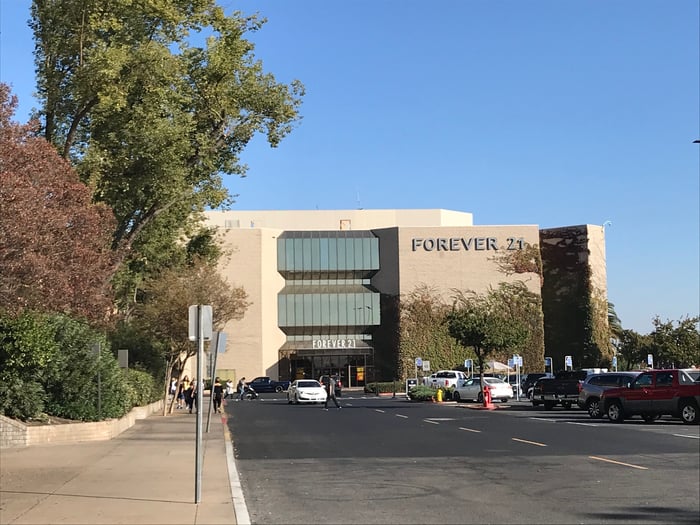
[54, 242]
[483, 323]
[675, 346]
[163, 314]
[151, 114]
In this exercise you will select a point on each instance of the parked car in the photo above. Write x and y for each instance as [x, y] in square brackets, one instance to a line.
[655, 393]
[267, 384]
[338, 384]
[471, 389]
[562, 389]
[513, 381]
[306, 391]
[527, 381]
[447, 378]
[594, 386]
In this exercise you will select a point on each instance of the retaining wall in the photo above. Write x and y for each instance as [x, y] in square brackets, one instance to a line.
[14, 434]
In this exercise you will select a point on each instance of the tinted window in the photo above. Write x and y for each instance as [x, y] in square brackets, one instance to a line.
[643, 380]
[664, 378]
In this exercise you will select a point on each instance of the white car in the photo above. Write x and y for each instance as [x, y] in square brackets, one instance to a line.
[447, 378]
[306, 391]
[471, 389]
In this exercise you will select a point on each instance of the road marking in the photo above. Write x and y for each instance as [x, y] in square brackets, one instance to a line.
[441, 419]
[544, 419]
[239, 505]
[684, 436]
[469, 429]
[377, 410]
[583, 424]
[618, 463]
[433, 422]
[529, 442]
[401, 415]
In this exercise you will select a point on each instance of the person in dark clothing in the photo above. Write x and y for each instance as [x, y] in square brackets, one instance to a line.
[330, 391]
[217, 390]
[190, 394]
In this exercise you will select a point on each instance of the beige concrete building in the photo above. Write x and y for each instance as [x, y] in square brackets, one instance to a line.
[324, 283]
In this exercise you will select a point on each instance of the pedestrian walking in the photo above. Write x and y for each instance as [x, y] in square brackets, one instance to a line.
[217, 391]
[229, 389]
[330, 393]
[184, 384]
[172, 391]
[190, 395]
[241, 388]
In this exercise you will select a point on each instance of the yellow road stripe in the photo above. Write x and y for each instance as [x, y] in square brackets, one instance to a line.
[618, 463]
[529, 442]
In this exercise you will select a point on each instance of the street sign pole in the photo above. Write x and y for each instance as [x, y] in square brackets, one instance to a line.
[199, 386]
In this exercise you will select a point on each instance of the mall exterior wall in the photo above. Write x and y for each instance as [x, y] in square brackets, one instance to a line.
[574, 296]
[440, 249]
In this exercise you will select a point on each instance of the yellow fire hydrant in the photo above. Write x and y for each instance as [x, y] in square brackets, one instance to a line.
[439, 395]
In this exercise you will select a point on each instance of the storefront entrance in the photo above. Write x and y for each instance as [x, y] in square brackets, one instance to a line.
[353, 369]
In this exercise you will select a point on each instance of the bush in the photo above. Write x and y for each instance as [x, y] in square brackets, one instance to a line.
[143, 388]
[386, 387]
[19, 398]
[421, 393]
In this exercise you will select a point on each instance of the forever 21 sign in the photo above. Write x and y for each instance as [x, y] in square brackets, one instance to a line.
[458, 244]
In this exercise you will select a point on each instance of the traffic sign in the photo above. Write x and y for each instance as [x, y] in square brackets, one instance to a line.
[419, 362]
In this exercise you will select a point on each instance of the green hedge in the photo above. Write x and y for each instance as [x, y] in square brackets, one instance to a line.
[48, 366]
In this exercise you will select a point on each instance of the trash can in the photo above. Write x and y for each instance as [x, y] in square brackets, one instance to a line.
[410, 383]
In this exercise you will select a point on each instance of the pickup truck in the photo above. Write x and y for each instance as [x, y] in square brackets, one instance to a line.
[562, 389]
[654, 393]
[266, 384]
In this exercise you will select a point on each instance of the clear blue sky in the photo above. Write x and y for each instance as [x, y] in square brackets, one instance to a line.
[553, 113]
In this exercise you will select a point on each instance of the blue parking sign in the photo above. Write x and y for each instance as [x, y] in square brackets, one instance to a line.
[419, 362]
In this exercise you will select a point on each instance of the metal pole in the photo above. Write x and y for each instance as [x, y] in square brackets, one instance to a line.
[213, 347]
[198, 385]
[99, 382]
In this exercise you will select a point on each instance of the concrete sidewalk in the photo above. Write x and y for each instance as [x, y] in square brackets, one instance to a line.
[146, 475]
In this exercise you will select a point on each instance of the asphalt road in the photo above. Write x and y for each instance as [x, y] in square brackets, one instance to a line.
[387, 461]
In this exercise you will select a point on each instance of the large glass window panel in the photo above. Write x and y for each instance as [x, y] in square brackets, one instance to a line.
[375, 253]
[332, 254]
[376, 309]
[308, 306]
[342, 309]
[352, 309]
[291, 311]
[315, 254]
[281, 255]
[323, 246]
[316, 309]
[281, 310]
[366, 253]
[350, 254]
[358, 262]
[298, 255]
[333, 300]
[298, 310]
[325, 309]
[342, 263]
[289, 253]
[306, 257]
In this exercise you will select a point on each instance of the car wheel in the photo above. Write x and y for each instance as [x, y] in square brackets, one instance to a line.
[615, 413]
[504, 400]
[278, 389]
[456, 397]
[566, 405]
[593, 407]
[480, 397]
[689, 412]
[549, 405]
[649, 418]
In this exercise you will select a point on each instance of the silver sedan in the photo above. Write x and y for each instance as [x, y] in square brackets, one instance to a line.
[471, 389]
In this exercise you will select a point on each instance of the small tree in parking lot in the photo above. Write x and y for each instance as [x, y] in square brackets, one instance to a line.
[481, 322]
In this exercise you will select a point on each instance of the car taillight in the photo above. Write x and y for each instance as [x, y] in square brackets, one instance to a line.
[580, 386]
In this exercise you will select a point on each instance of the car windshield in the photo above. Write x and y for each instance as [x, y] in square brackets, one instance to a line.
[693, 376]
[308, 384]
[493, 380]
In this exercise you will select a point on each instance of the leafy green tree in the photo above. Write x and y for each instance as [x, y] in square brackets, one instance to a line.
[675, 346]
[163, 314]
[151, 115]
[484, 324]
[632, 349]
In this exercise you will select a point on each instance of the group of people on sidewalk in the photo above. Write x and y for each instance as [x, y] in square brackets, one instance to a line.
[185, 392]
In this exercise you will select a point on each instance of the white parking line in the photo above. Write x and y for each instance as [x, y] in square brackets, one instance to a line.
[529, 442]
[544, 419]
[685, 436]
[433, 422]
[401, 415]
[377, 410]
[469, 429]
[618, 462]
[582, 424]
